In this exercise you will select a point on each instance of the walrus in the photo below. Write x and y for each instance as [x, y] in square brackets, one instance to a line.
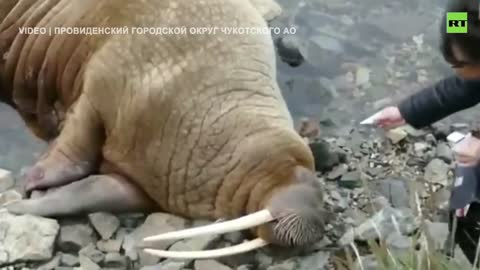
[186, 123]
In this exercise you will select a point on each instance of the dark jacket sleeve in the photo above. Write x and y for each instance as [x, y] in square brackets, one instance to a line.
[440, 100]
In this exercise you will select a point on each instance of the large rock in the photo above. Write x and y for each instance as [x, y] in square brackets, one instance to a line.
[26, 237]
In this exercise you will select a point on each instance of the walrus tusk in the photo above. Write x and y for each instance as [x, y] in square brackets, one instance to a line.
[210, 254]
[238, 224]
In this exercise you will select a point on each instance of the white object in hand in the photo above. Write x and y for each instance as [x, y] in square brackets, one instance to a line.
[455, 137]
[370, 120]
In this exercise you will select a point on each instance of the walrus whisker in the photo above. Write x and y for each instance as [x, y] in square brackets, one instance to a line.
[210, 254]
[238, 224]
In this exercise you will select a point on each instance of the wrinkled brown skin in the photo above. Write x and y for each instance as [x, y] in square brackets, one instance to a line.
[193, 125]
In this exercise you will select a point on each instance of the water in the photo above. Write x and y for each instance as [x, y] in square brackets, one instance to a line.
[338, 39]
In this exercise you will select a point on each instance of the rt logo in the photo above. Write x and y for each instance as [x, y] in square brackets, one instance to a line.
[456, 22]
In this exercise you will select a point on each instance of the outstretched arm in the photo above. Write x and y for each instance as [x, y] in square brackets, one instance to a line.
[440, 100]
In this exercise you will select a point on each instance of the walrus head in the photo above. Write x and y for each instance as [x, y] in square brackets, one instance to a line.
[292, 216]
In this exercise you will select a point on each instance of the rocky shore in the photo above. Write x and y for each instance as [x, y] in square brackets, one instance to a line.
[374, 186]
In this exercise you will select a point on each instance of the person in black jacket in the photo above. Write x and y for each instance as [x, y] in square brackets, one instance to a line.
[452, 94]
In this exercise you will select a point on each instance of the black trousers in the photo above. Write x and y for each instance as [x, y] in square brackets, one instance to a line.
[468, 231]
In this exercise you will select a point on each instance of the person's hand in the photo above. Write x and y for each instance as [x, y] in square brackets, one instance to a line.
[467, 151]
[389, 117]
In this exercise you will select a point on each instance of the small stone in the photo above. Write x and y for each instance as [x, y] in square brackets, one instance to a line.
[52, 264]
[460, 126]
[155, 223]
[210, 265]
[115, 260]
[420, 147]
[437, 172]
[396, 135]
[93, 254]
[104, 223]
[9, 196]
[87, 264]
[444, 152]
[69, 260]
[337, 172]
[351, 180]
[6, 180]
[112, 245]
[74, 237]
[26, 237]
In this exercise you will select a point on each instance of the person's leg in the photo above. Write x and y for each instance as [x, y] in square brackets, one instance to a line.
[468, 232]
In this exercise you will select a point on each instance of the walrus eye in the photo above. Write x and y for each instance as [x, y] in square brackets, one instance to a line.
[246, 222]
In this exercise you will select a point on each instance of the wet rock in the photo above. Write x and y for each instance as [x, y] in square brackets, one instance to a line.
[9, 196]
[69, 260]
[288, 50]
[210, 265]
[351, 180]
[437, 172]
[112, 245]
[74, 237]
[92, 253]
[26, 238]
[105, 224]
[156, 223]
[396, 135]
[6, 180]
[444, 152]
